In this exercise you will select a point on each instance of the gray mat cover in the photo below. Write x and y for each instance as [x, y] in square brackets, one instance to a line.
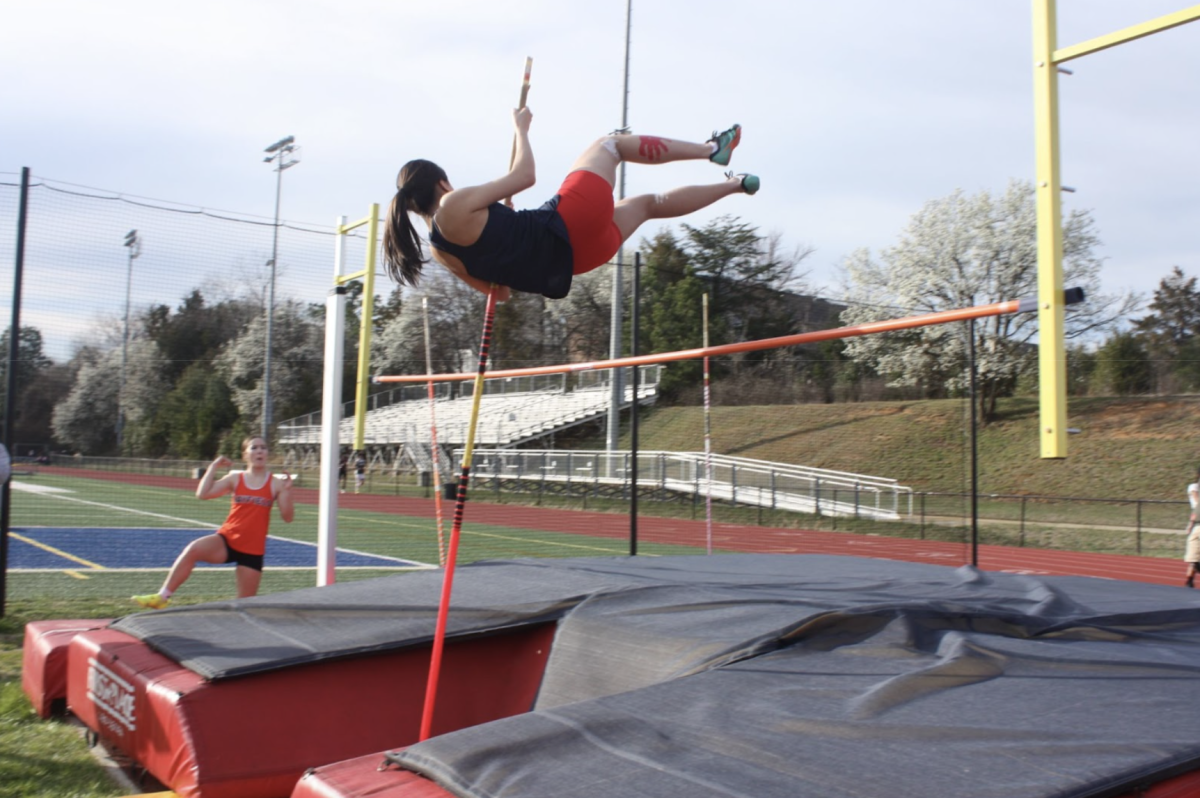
[778, 676]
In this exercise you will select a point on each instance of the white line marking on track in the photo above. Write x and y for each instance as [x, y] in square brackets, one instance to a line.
[136, 512]
[29, 487]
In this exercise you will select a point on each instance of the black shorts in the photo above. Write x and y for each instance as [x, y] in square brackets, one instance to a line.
[254, 561]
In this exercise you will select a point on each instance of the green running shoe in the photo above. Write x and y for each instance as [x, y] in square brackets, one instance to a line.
[153, 601]
[726, 143]
[750, 183]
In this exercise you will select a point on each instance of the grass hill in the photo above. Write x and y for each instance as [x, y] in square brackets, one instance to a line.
[1135, 448]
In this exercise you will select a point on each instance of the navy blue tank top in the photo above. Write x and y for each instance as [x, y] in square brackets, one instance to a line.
[527, 251]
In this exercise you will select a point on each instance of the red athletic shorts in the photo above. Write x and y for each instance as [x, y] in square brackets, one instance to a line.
[586, 207]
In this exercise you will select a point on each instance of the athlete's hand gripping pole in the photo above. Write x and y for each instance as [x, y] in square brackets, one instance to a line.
[524, 96]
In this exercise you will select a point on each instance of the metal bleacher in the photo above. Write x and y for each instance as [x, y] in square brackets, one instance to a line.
[511, 413]
[515, 412]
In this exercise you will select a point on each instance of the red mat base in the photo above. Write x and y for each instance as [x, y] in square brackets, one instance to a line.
[255, 736]
[44, 662]
[362, 777]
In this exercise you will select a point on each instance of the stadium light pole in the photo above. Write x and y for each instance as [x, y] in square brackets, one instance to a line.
[618, 286]
[281, 154]
[134, 244]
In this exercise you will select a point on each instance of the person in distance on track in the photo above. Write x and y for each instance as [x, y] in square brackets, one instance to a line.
[1192, 555]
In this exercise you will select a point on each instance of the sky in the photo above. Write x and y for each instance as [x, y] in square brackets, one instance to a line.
[855, 113]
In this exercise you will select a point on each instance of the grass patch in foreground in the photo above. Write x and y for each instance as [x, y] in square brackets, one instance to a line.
[41, 759]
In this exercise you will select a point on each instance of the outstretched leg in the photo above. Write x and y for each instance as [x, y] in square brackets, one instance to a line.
[210, 549]
[603, 155]
[631, 213]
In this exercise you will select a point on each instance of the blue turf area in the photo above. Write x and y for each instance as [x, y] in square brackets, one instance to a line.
[152, 548]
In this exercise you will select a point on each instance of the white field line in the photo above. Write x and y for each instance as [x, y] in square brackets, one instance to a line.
[29, 487]
[131, 510]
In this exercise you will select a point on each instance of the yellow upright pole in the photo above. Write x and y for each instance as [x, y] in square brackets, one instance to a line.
[1052, 350]
[364, 334]
[1052, 360]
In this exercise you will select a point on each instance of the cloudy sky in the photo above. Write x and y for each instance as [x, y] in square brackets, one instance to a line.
[855, 112]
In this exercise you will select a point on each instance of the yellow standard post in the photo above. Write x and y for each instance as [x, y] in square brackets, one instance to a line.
[1052, 351]
[364, 335]
[367, 275]
[1052, 361]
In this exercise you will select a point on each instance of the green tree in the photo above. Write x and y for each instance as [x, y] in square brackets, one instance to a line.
[196, 331]
[196, 413]
[1081, 370]
[747, 275]
[1122, 367]
[827, 368]
[672, 315]
[676, 322]
[747, 278]
[35, 404]
[1170, 330]
[31, 422]
[1187, 364]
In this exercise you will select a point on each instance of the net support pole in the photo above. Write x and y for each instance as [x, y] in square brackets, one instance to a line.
[439, 633]
[14, 349]
[331, 418]
[708, 529]
[634, 321]
[434, 454]
[974, 394]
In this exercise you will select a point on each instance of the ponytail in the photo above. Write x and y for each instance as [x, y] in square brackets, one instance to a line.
[402, 256]
[416, 187]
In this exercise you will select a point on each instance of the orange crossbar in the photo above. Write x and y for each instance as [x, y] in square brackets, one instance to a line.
[869, 328]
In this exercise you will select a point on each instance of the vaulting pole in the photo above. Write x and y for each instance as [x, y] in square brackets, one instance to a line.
[439, 633]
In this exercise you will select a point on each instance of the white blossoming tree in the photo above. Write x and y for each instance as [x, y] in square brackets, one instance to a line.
[961, 251]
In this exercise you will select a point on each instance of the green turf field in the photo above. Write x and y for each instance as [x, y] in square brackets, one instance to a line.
[66, 501]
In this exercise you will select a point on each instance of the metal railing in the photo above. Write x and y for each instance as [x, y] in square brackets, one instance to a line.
[737, 480]
[131, 465]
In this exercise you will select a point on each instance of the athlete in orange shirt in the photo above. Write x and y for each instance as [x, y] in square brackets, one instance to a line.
[242, 539]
